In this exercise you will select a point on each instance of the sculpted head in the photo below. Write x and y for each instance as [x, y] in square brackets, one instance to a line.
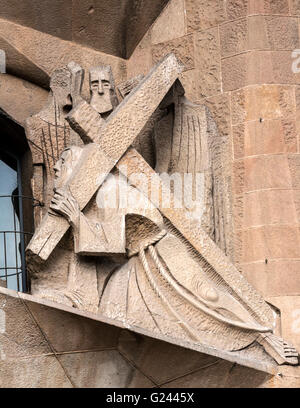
[60, 85]
[65, 165]
[102, 87]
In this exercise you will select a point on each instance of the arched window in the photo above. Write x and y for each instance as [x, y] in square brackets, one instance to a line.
[16, 204]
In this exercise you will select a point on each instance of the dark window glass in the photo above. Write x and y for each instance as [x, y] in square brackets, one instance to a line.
[12, 260]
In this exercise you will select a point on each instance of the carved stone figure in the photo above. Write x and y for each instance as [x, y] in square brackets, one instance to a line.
[143, 264]
[49, 133]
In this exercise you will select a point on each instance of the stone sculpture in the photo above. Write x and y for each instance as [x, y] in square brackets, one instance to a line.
[144, 264]
[48, 133]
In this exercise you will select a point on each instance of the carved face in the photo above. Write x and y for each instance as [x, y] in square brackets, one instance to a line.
[65, 165]
[102, 89]
[61, 88]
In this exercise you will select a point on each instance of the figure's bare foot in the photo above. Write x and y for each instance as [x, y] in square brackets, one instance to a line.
[282, 351]
[77, 298]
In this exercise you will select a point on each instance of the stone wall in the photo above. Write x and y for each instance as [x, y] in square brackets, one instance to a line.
[238, 58]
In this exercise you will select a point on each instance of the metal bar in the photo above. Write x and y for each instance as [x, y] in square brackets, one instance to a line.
[22, 241]
[16, 245]
[5, 260]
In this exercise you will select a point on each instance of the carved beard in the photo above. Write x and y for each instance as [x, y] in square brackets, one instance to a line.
[102, 103]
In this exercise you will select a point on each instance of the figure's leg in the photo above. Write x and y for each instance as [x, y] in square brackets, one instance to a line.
[82, 289]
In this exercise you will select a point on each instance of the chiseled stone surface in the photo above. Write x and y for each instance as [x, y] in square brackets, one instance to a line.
[266, 137]
[67, 332]
[26, 56]
[34, 372]
[259, 33]
[183, 48]
[203, 14]
[20, 336]
[110, 26]
[170, 24]
[101, 369]
[135, 361]
[258, 67]
[174, 362]
[264, 124]
[207, 63]
[241, 8]
[31, 102]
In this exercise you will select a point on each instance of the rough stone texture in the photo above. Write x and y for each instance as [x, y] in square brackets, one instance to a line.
[141, 60]
[202, 14]
[295, 7]
[262, 102]
[183, 48]
[110, 26]
[259, 32]
[26, 56]
[258, 67]
[273, 136]
[207, 63]
[242, 8]
[68, 333]
[133, 361]
[269, 136]
[171, 23]
[35, 372]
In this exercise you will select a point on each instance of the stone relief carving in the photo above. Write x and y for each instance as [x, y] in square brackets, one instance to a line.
[127, 256]
[49, 133]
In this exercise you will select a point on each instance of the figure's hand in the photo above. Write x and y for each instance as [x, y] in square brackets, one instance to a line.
[77, 75]
[65, 204]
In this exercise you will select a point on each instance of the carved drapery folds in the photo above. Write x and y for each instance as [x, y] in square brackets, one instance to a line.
[129, 255]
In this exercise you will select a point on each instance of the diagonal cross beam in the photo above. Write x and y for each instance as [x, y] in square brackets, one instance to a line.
[113, 138]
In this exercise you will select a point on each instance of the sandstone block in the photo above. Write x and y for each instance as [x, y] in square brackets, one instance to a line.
[219, 107]
[258, 67]
[282, 243]
[267, 171]
[240, 8]
[102, 369]
[262, 102]
[67, 332]
[269, 207]
[273, 33]
[295, 7]
[212, 376]
[234, 37]
[140, 61]
[189, 82]
[269, 136]
[290, 320]
[170, 24]
[161, 361]
[19, 334]
[202, 14]
[207, 61]
[183, 48]
[259, 33]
